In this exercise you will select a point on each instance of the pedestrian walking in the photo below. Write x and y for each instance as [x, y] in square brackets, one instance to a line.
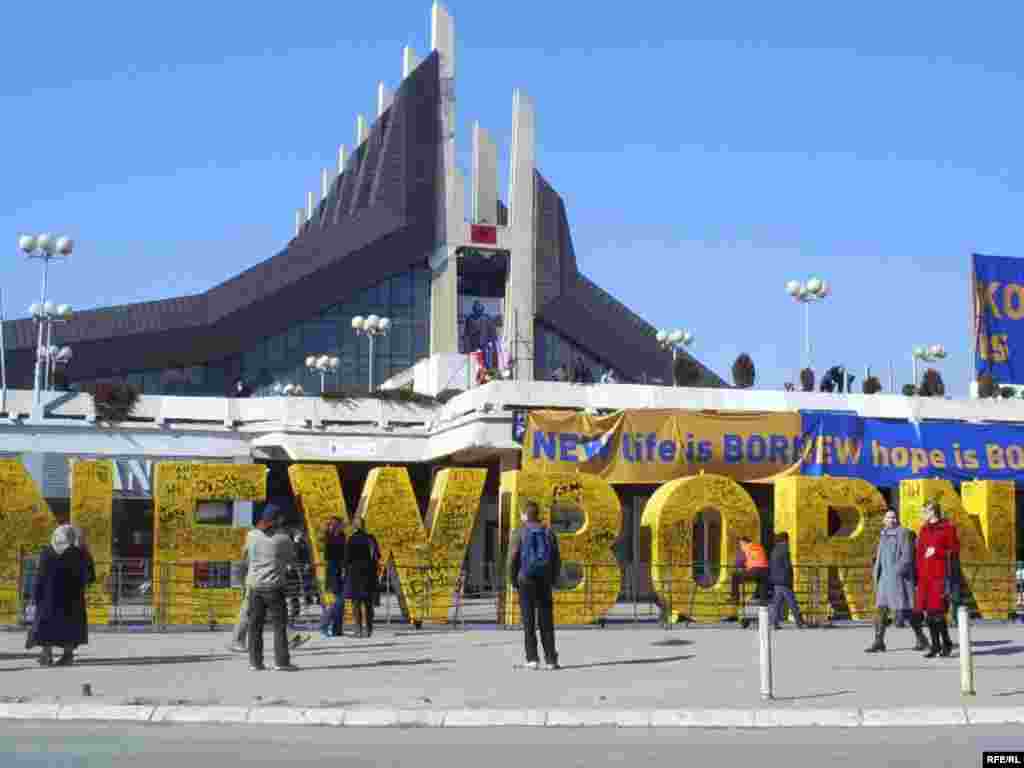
[754, 569]
[333, 617]
[240, 635]
[894, 575]
[361, 557]
[268, 553]
[938, 571]
[59, 596]
[535, 564]
[294, 588]
[780, 573]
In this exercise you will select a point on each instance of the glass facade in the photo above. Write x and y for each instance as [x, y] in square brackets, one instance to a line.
[280, 359]
[555, 354]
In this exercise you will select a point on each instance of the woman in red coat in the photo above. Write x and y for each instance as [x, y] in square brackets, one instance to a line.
[937, 546]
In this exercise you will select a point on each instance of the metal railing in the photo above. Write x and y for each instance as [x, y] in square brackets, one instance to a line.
[135, 594]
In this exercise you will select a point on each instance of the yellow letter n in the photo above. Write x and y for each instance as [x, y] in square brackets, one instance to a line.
[986, 523]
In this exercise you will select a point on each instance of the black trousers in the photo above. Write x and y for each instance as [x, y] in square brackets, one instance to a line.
[536, 604]
[262, 602]
[759, 575]
[362, 612]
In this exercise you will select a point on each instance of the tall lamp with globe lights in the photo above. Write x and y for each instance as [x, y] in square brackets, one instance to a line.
[806, 293]
[675, 340]
[930, 354]
[289, 390]
[323, 364]
[46, 248]
[371, 327]
[54, 356]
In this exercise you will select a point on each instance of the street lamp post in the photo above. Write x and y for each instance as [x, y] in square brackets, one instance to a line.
[323, 364]
[47, 248]
[814, 289]
[931, 354]
[47, 315]
[371, 327]
[54, 356]
[674, 340]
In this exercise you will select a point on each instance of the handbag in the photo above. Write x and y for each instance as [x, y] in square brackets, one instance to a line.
[952, 588]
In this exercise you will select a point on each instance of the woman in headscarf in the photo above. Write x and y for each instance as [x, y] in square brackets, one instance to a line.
[59, 596]
[361, 557]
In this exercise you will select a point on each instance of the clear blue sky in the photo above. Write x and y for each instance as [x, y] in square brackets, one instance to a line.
[707, 152]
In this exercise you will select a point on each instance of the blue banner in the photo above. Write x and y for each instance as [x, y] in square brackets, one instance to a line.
[884, 452]
[999, 318]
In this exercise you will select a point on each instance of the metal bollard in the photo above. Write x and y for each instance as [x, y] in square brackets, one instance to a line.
[764, 632]
[966, 655]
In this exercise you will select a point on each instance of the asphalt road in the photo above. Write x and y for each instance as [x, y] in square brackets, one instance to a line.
[95, 746]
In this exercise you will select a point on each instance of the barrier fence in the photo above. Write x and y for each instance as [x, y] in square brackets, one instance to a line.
[136, 594]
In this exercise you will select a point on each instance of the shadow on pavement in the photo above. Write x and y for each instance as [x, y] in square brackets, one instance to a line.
[1003, 651]
[813, 696]
[346, 648]
[129, 661]
[986, 643]
[660, 660]
[676, 641]
[384, 663]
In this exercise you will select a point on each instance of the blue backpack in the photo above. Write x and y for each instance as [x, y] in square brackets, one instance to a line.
[535, 556]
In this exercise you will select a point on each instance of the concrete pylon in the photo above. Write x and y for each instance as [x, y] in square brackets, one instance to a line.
[451, 204]
[520, 308]
[342, 157]
[385, 97]
[409, 61]
[485, 177]
[442, 39]
[362, 131]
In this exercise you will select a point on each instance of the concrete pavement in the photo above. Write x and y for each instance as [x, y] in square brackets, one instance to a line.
[629, 676]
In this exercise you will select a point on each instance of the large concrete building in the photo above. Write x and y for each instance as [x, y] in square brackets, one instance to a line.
[388, 233]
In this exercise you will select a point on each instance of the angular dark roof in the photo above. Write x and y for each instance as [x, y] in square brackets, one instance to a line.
[575, 306]
[379, 219]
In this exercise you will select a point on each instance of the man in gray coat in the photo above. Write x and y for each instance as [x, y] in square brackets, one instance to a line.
[268, 553]
[894, 575]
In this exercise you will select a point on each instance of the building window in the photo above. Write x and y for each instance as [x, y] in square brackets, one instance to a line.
[558, 358]
[280, 359]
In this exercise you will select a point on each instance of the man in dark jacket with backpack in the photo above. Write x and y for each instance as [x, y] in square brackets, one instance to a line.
[534, 565]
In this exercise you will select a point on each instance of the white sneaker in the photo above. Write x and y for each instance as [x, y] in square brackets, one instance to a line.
[531, 665]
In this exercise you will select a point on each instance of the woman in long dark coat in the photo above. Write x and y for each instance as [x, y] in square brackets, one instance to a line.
[894, 578]
[361, 556]
[59, 596]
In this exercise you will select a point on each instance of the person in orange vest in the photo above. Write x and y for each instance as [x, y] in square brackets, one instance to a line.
[754, 568]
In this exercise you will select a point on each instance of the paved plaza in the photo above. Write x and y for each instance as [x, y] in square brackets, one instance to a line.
[438, 670]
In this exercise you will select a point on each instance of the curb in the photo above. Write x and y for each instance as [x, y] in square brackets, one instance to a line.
[504, 718]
